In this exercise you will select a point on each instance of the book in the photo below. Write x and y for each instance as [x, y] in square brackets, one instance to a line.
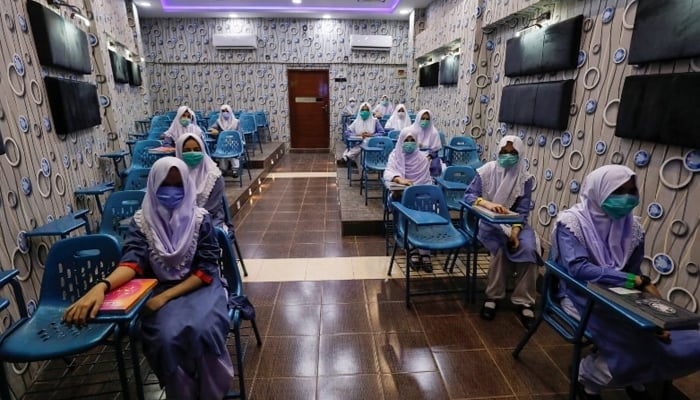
[122, 299]
[489, 213]
[662, 313]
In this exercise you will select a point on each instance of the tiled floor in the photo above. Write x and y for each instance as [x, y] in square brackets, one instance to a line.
[334, 328]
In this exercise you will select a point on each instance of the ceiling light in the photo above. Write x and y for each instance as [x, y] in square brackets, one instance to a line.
[405, 11]
[233, 15]
[296, 1]
[143, 3]
[326, 16]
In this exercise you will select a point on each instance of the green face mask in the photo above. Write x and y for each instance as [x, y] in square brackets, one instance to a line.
[507, 160]
[619, 205]
[185, 122]
[192, 158]
[364, 114]
[424, 123]
[409, 147]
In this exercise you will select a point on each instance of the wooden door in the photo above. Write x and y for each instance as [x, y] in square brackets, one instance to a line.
[308, 109]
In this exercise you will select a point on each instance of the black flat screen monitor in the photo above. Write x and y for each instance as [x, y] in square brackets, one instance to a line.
[449, 70]
[120, 68]
[74, 104]
[58, 42]
[661, 109]
[665, 30]
[428, 75]
[134, 73]
[552, 48]
[537, 104]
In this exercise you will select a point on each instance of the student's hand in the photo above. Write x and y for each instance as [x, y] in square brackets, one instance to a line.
[664, 336]
[652, 290]
[377, 115]
[403, 181]
[495, 207]
[154, 304]
[85, 308]
[514, 242]
[214, 131]
[366, 135]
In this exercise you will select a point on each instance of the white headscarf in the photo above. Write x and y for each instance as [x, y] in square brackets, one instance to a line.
[412, 166]
[427, 138]
[359, 125]
[176, 130]
[350, 109]
[395, 122]
[205, 174]
[501, 185]
[383, 109]
[227, 125]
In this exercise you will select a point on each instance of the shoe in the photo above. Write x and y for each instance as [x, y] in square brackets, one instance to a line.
[488, 310]
[426, 263]
[634, 394]
[342, 162]
[415, 261]
[581, 393]
[526, 315]
[234, 174]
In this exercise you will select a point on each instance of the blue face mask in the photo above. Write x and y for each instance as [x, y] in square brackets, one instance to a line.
[170, 197]
[507, 160]
[385, 103]
[409, 147]
[185, 122]
[192, 158]
[226, 115]
[424, 123]
[364, 114]
[617, 206]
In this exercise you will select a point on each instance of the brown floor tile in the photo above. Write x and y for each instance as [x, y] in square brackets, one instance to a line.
[340, 249]
[465, 376]
[414, 386]
[450, 333]
[272, 251]
[437, 305]
[369, 249]
[350, 291]
[308, 235]
[249, 237]
[347, 355]
[294, 293]
[404, 352]
[307, 250]
[261, 293]
[278, 238]
[283, 388]
[295, 320]
[379, 290]
[354, 387]
[505, 331]
[393, 317]
[344, 318]
[532, 373]
[289, 356]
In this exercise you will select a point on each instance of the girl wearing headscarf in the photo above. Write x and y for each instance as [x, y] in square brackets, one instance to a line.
[384, 107]
[351, 107]
[399, 119]
[428, 139]
[206, 177]
[363, 126]
[226, 122]
[501, 186]
[185, 122]
[185, 323]
[599, 240]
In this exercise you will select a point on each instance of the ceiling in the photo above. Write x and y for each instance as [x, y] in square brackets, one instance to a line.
[336, 9]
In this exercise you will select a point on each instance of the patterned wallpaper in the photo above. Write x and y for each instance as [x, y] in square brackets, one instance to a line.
[42, 169]
[559, 160]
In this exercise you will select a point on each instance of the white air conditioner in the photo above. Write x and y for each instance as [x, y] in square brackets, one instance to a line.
[370, 42]
[236, 42]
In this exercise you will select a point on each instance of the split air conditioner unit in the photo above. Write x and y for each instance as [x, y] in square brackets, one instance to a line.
[370, 42]
[235, 42]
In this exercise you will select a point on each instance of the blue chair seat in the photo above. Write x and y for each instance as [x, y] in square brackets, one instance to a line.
[436, 238]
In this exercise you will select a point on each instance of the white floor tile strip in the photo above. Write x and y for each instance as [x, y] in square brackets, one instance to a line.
[316, 269]
[301, 175]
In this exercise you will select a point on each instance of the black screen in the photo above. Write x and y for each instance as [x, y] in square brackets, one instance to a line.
[552, 48]
[74, 104]
[134, 73]
[665, 31]
[661, 109]
[58, 42]
[120, 68]
[449, 70]
[2, 145]
[428, 75]
[539, 104]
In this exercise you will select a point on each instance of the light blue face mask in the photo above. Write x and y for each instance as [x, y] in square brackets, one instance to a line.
[364, 114]
[507, 160]
[424, 123]
[385, 103]
[185, 122]
[617, 206]
[409, 147]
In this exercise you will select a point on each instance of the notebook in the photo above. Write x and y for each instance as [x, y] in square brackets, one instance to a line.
[489, 213]
[663, 313]
[122, 299]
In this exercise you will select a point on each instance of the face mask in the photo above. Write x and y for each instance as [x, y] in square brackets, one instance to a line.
[385, 103]
[507, 160]
[226, 115]
[170, 197]
[401, 114]
[192, 158]
[424, 123]
[409, 147]
[185, 122]
[352, 104]
[364, 114]
[619, 205]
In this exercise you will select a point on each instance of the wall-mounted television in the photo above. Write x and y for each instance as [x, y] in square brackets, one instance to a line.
[58, 42]
[449, 70]
[120, 68]
[665, 31]
[134, 73]
[552, 48]
[428, 75]
[545, 105]
[2, 145]
[74, 104]
[661, 109]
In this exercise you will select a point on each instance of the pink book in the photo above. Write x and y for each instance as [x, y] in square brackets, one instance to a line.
[122, 299]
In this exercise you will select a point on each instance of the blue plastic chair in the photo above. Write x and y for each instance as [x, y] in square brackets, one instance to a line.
[443, 145]
[137, 179]
[375, 155]
[383, 120]
[422, 221]
[247, 127]
[73, 266]
[229, 145]
[463, 151]
[232, 235]
[213, 116]
[454, 183]
[394, 135]
[234, 284]
[120, 206]
[262, 124]
[140, 157]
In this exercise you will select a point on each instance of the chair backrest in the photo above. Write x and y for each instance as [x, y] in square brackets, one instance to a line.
[171, 115]
[119, 207]
[469, 156]
[247, 123]
[383, 120]
[73, 265]
[160, 122]
[140, 157]
[462, 141]
[260, 119]
[443, 138]
[459, 173]
[394, 135]
[229, 144]
[136, 179]
[383, 142]
[228, 264]
[426, 198]
[213, 116]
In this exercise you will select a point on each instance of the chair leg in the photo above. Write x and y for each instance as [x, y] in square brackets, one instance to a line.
[239, 361]
[240, 256]
[5, 391]
[391, 262]
[528, 335]
[257, 333]
[121, 365]
[133, 342]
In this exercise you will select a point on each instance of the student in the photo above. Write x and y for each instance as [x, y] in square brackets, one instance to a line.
[351, 107]
[599, 240]
[501, 186]
[226, 122]
[206, 177]
[185, 323]
[363, 126]
[383, 108]
[407, 166]
[399, 119]
[184, 122]
[428, 139]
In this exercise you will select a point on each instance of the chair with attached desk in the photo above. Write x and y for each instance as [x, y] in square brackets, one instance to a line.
[375, 155]
[120, 206]
[141, 157]
[73, 266]
[462, 151]
[453, 182]
[263, 125]
[63, 226]
[229, 145]
[247, 127]
[137, 179]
